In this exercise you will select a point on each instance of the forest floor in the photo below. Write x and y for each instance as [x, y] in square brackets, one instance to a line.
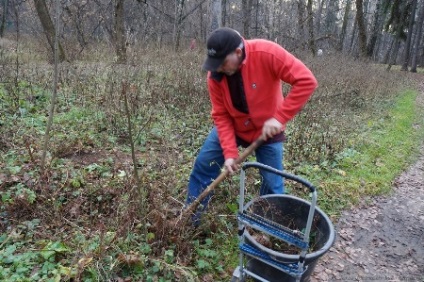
[381, 239]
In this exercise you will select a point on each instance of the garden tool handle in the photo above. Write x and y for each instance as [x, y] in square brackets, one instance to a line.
[281, 173]
[224, 173]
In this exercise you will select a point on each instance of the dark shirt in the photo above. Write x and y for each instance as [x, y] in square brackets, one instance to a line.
[238, 97]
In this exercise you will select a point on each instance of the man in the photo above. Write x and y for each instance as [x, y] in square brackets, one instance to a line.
[244, 83]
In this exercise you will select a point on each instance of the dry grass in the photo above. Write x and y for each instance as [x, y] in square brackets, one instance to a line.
[171, 115]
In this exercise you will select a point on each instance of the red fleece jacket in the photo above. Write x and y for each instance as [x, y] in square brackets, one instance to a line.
[266, 64]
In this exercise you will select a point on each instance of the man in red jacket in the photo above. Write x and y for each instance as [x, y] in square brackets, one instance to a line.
[245, 87]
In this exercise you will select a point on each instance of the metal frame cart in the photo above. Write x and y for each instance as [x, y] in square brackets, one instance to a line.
[256, 222]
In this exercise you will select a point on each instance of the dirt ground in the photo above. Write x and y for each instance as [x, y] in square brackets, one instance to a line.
[382, 239]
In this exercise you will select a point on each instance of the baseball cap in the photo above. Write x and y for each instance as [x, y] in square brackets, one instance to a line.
[220, 43]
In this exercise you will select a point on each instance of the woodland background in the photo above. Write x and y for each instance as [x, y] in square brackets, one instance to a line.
[104, 106]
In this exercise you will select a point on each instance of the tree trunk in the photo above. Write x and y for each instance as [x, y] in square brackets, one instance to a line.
[224, 12]
[215, 13]
[161, 27]
[301, 20]
[407, 53]
[376, 28]
[246, 8]
[202, 24]
[49, 30]
[344, 25]
[3, 19]
[399, 30]
[311, 44]
[271, 9]
[361, 28]
[331, 17]
[418, 41]
[394, 53]
[389, 51]
[354, 33]
[256, 18]
[177, 23]
[119, 37]
[319, 16]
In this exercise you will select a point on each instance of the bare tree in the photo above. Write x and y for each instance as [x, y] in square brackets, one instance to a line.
[407, 53]
[331, 17]
[361, 28]
[344, 25]
[49, 30]
[224, 12]
[301, 20]
[3, 18]
[319, 16]
[215, 14]
[178, 22]
[76, 13]
[418, 43]
[55, 87]
[246, 8]
[377, 26]
[202, 23]
[119, 38]
[397, 25]
[273, 14]
[311, 44]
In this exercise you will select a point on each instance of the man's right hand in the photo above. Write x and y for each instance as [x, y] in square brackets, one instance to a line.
[271, 127]
[231, 166]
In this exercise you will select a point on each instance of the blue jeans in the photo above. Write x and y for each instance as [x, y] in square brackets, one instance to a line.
[210, 160]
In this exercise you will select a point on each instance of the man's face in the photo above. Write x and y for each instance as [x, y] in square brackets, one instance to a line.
[231, 63]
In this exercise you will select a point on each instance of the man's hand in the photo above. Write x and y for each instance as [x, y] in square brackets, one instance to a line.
[271, 127]
[231, 166]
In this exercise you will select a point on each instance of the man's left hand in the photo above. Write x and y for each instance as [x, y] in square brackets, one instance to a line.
[272, 127]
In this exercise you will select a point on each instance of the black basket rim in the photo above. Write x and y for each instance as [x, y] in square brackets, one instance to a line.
[310, 256]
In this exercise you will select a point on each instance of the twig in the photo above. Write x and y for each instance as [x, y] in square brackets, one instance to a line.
[7, 239]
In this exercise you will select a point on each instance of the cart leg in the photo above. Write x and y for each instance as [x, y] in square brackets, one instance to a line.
[237, 275]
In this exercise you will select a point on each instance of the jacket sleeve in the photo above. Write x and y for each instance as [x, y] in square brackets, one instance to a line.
[303, 83]
[222, 120]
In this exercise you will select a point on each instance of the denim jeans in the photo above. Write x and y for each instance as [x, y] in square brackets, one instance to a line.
[210, 160]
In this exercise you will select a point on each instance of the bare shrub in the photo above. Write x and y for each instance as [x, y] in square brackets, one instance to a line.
[349, 93]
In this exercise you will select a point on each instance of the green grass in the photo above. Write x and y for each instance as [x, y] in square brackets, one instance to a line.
[385, 149]
[381, 153]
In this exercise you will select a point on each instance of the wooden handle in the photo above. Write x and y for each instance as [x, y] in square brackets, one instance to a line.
[249, 150]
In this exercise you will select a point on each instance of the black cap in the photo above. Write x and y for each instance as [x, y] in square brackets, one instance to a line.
[221, 42]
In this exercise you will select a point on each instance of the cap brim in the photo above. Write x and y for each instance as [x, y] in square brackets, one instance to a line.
[212, 64]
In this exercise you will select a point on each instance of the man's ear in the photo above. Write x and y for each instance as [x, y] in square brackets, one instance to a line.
[239, 52]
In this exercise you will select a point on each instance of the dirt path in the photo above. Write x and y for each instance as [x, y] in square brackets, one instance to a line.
[383, 238]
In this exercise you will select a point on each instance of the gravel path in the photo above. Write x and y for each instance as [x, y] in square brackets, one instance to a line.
[382, 239]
